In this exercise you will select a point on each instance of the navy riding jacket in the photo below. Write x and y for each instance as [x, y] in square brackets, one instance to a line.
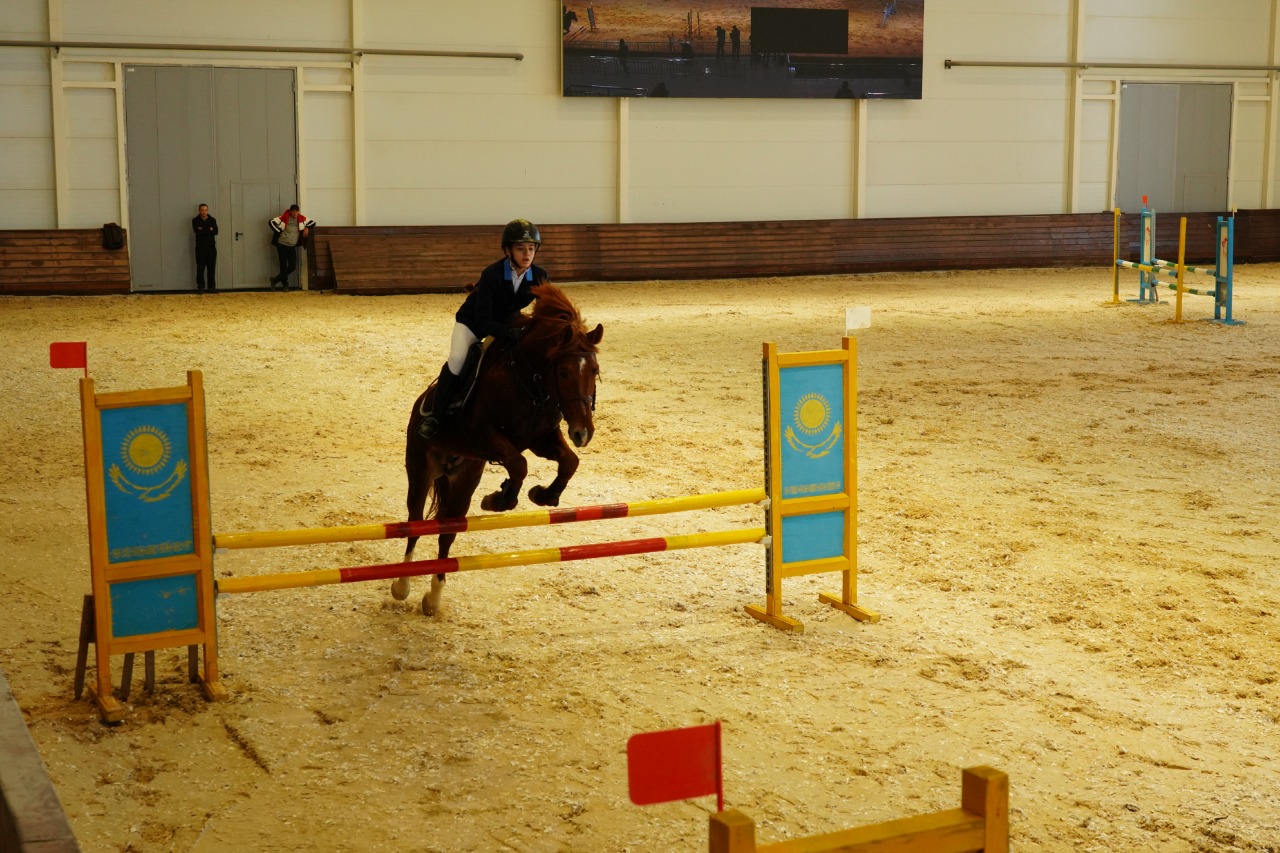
[492, 304]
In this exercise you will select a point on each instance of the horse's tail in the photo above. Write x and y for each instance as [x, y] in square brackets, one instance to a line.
[422, 499]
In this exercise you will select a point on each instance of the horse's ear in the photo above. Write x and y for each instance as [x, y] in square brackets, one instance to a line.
[596, 334]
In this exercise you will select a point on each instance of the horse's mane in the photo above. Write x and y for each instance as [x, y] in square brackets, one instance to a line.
[555, 328]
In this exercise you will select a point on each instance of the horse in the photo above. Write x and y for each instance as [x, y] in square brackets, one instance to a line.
[570, 18]
[523, 392]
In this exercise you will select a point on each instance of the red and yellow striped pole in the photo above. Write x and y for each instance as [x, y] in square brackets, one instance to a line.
[321, 577]
[496, 521]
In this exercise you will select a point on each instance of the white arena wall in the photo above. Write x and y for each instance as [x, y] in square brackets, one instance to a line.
[429, 140]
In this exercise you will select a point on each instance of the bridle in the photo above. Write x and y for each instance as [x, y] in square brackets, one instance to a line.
[581, 397]
[537, 393]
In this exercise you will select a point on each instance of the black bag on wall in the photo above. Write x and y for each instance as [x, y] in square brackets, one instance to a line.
[112, 236]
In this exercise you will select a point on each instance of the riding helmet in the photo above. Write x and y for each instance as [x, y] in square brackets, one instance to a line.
[520, 231]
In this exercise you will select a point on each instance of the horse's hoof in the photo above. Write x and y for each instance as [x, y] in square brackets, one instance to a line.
[430, 607]
[400, 589]
[495, 502]
[542, 497]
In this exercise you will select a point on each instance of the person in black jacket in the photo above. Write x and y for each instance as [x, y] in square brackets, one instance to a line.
[206, 228]
[495, 299]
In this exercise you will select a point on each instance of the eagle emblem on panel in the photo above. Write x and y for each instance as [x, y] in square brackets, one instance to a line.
[147, 455]
[811, 430]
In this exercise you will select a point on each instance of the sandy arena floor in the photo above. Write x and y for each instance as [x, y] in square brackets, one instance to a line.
[1068, 522]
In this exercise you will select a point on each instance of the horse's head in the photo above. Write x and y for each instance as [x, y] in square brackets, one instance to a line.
[557, 333]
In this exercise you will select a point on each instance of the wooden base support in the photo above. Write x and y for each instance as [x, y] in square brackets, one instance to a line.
[777, 620]
[110, 710]
[109, 707]
[857, 611]
[213, 690]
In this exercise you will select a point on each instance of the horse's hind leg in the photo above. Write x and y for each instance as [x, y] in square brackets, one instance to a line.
[455, 493]
[420, 471]
[555, 448]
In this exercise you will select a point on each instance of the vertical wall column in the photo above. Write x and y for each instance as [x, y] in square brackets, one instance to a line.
[58, 108]
[1113, 144]
[1076, 108]
[858, 180]
[122, 163]
[357, 113]
[624, 160]
[1273, 91]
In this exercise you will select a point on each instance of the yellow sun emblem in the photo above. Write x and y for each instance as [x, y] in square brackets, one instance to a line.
[811, 416]
[812, 413]
[145, 449]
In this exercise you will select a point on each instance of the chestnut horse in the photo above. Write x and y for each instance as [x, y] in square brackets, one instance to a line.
[524, 391]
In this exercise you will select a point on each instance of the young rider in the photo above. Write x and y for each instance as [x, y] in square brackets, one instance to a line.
[503, 289]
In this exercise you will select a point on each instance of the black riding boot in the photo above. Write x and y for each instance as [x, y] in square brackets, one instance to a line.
[430, 426]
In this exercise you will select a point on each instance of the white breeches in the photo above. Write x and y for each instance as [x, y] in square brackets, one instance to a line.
[463, 338]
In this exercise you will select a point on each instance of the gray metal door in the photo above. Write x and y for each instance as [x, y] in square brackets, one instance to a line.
[249, 235]
[191, 134]
[1175, 142]
[169, 140]
[257, 150]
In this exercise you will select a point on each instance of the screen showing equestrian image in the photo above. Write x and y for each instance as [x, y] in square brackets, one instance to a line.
[718, 49]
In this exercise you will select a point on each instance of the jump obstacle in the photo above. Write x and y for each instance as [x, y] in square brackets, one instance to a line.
[151, 545]
[1151, 269]
[979, 825]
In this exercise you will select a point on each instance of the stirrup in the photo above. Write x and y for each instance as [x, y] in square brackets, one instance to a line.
[429, 428]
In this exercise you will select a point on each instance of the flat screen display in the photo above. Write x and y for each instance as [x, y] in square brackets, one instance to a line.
[716, 49]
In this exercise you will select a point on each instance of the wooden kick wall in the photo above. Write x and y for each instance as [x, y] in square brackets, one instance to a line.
[412, 259]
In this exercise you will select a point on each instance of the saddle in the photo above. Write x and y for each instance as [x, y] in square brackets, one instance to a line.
[470, 373]
[467, 380]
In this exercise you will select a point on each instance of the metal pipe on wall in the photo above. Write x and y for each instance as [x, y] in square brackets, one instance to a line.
[260, 48]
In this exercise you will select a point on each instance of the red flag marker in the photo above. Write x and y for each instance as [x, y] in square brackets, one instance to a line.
[69, 354]
[676, 764]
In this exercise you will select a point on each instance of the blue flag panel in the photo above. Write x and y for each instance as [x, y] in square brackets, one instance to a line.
[152, 605]
[146, 468]
[813, 430]
[812, 537]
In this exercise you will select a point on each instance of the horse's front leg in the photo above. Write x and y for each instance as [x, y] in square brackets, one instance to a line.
[508, 495]
[555, 448]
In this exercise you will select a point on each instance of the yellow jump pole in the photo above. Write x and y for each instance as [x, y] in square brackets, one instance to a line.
[321, 577]
[1115, 257]
[1182, 267]
[496, 521]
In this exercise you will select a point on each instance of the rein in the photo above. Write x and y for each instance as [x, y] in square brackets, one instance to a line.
[537, 392]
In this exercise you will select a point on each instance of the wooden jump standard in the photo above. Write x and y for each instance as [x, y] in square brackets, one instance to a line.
[980, 824]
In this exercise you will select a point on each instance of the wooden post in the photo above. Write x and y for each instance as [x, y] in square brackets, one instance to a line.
[731, 832]
[985, 791]
[1115, 256]
[1182, 259]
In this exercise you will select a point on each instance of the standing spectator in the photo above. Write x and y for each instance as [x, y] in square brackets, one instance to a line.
[735, 36]
[622, 53]
[206, 228]
[291, 229]
[719, 42]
